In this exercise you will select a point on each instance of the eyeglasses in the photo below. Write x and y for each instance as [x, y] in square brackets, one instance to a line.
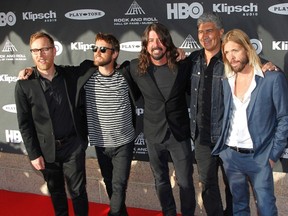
[102, 49]
[44, 49]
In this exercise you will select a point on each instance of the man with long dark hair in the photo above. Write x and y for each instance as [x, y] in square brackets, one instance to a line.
[163, 82]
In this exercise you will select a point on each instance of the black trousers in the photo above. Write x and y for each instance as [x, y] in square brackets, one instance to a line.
[115, 165]
[68, 167]
[182, 159]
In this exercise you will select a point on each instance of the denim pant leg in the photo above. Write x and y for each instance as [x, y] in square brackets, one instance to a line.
[115, 165]
[238, 181]
[261, 178]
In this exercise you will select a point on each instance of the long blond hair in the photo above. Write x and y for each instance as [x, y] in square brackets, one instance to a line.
[241, 38]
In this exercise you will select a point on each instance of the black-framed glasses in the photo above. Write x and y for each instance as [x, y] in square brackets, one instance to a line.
[101, 48]
[44, 49]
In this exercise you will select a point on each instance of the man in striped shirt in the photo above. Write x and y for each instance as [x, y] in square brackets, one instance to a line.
[107, 95]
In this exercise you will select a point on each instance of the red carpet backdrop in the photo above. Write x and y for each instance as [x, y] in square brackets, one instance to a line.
[75, 25]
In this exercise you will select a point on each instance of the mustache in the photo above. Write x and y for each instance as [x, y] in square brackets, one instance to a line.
[156, 48]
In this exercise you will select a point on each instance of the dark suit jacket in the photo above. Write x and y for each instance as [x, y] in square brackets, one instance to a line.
[33, 115]
[159, 112]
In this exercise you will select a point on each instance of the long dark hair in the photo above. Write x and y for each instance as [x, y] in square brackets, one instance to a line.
[166, 40]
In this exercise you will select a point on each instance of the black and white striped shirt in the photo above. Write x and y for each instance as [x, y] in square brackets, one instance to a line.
[109, 113]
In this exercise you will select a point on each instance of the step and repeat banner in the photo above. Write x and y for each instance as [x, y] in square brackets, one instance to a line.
[74, 25]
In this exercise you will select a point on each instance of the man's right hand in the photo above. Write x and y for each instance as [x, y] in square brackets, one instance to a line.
[25, 73]
[38, 163]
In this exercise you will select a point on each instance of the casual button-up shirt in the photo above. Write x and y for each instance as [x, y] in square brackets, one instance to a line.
[239, 134]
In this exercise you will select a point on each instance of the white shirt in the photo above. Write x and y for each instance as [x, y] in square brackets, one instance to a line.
[239, 135]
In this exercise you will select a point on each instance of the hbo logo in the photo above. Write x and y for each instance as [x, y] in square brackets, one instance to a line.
[183, 10]
[7, 19]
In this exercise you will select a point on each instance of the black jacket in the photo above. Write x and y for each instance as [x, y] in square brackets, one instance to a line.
[33, 114]
[160, 113]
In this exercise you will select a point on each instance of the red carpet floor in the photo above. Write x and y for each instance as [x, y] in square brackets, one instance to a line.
[25, 204]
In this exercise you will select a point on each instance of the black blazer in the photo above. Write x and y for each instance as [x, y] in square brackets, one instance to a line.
[160, 114]
[33, 114]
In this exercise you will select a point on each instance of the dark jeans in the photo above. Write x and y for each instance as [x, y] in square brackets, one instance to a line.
[115, 165]
[181, 155]
[208, 166]
[69, 166]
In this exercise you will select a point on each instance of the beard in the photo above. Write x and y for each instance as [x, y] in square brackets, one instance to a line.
[158, 55]
[242, 63]
[43, 66]
[99, 61]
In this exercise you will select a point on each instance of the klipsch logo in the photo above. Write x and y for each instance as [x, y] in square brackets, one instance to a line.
[279, 9]
[7, 78]
[84, 14]
[81, 46]
[139, 111]
[46, 17]
[280, 45]
[246, 10]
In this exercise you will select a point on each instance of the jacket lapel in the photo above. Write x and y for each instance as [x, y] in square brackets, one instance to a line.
[254, 96]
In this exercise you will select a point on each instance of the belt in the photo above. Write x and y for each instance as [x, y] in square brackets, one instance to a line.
[242, 150]
[59, 143]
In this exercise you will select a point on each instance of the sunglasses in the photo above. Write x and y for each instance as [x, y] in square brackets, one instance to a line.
[102, 49]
